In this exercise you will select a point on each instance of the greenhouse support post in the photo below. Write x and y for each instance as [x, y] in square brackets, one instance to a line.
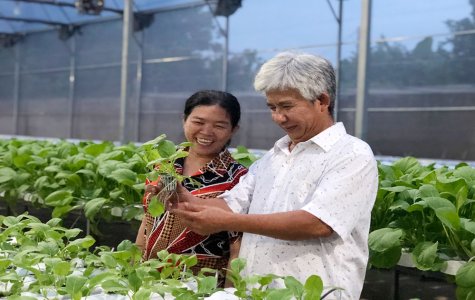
[339, 21]
[128, 22]
[225, 56]
[16, 89]
[72, 80]
[362, 84]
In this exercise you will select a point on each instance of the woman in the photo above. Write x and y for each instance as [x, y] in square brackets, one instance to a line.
[210, 120]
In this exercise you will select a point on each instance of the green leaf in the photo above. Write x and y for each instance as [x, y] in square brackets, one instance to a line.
[280, 294]
[59, 198]
[386, 259]
[265, 280]
[93, 206]
[294, 285]
[155, 207]
[465, 276]
[461, 197]
[407, 165]
[85, 243]
[124, 176]
[101, 277]
[54, 222]
[385, 238]
[207, 285]
[396, 189]
[134, 281]
[62, 268]
[427, 190]
[60, 211]
[132, 212]
[88, 173]
[166, 148]
[21, 160]
[465, 293]
[190, 260]
[142, 293]
[155, 141]
[7, 174]
[449, 217]
[424, 255]
[95, 149]
[49, 247]
[4, 263]
[53, 169]
[109, 260]
[418, 206]
[22, 297]
[71, 233]
[113, 285]
[399, 204]
[74, 284]
[467, 173]
[114, 155]
[237, 265]
[313, 288]
[114, 194]
[438, 202]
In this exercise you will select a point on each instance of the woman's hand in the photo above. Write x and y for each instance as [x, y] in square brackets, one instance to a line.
[153, 189]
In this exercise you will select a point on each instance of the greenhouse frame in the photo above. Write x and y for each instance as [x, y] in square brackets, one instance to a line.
[99, 78]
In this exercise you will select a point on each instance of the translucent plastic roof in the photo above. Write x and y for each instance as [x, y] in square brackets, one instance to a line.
[23, 16]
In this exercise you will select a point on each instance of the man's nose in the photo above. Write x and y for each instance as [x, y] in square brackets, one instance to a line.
[279, 117]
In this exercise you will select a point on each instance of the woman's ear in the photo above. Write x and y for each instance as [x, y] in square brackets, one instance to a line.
[235, 129]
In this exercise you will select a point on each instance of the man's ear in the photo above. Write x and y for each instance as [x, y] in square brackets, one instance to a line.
[324, 101]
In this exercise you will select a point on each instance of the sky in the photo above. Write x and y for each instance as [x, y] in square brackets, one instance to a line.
[273, 25]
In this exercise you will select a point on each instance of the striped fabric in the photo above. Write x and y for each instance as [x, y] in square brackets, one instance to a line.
[167, 231]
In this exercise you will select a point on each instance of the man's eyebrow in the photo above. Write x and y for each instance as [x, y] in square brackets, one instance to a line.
[283, 102]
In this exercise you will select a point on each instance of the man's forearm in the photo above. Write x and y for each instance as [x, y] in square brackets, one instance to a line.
[294, 225]
[216, 202]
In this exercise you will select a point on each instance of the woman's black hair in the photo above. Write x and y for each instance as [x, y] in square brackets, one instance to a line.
[211, 97]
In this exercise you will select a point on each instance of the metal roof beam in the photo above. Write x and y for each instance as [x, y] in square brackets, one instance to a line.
[32, 20]
[67, 4]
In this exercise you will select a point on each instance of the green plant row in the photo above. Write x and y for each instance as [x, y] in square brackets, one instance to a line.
[102, 180]
[428, 212]
[46, 260]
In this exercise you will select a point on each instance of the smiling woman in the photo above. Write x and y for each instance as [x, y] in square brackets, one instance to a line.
[210, 120]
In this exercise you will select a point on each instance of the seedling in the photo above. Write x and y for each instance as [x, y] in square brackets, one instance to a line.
[160, 155]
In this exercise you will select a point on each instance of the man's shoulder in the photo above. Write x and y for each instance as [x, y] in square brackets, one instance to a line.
[355, 144]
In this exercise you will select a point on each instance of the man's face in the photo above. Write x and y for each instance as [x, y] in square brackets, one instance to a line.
[300, 118]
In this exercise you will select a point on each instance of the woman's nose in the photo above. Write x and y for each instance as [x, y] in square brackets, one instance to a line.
[207, 128]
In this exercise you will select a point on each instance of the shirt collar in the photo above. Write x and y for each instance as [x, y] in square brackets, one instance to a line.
[325, 139]
[330, 136]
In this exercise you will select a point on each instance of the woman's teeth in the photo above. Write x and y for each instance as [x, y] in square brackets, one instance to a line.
[204, 142]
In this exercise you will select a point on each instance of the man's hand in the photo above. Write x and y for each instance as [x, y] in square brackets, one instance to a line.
[202, 219]
[181, 195]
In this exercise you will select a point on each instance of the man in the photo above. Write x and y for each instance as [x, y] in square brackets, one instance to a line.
[305, 206]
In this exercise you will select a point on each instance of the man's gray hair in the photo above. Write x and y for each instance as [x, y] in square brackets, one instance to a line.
[309, 74]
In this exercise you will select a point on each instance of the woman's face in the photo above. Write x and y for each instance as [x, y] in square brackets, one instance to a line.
[209, 128]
